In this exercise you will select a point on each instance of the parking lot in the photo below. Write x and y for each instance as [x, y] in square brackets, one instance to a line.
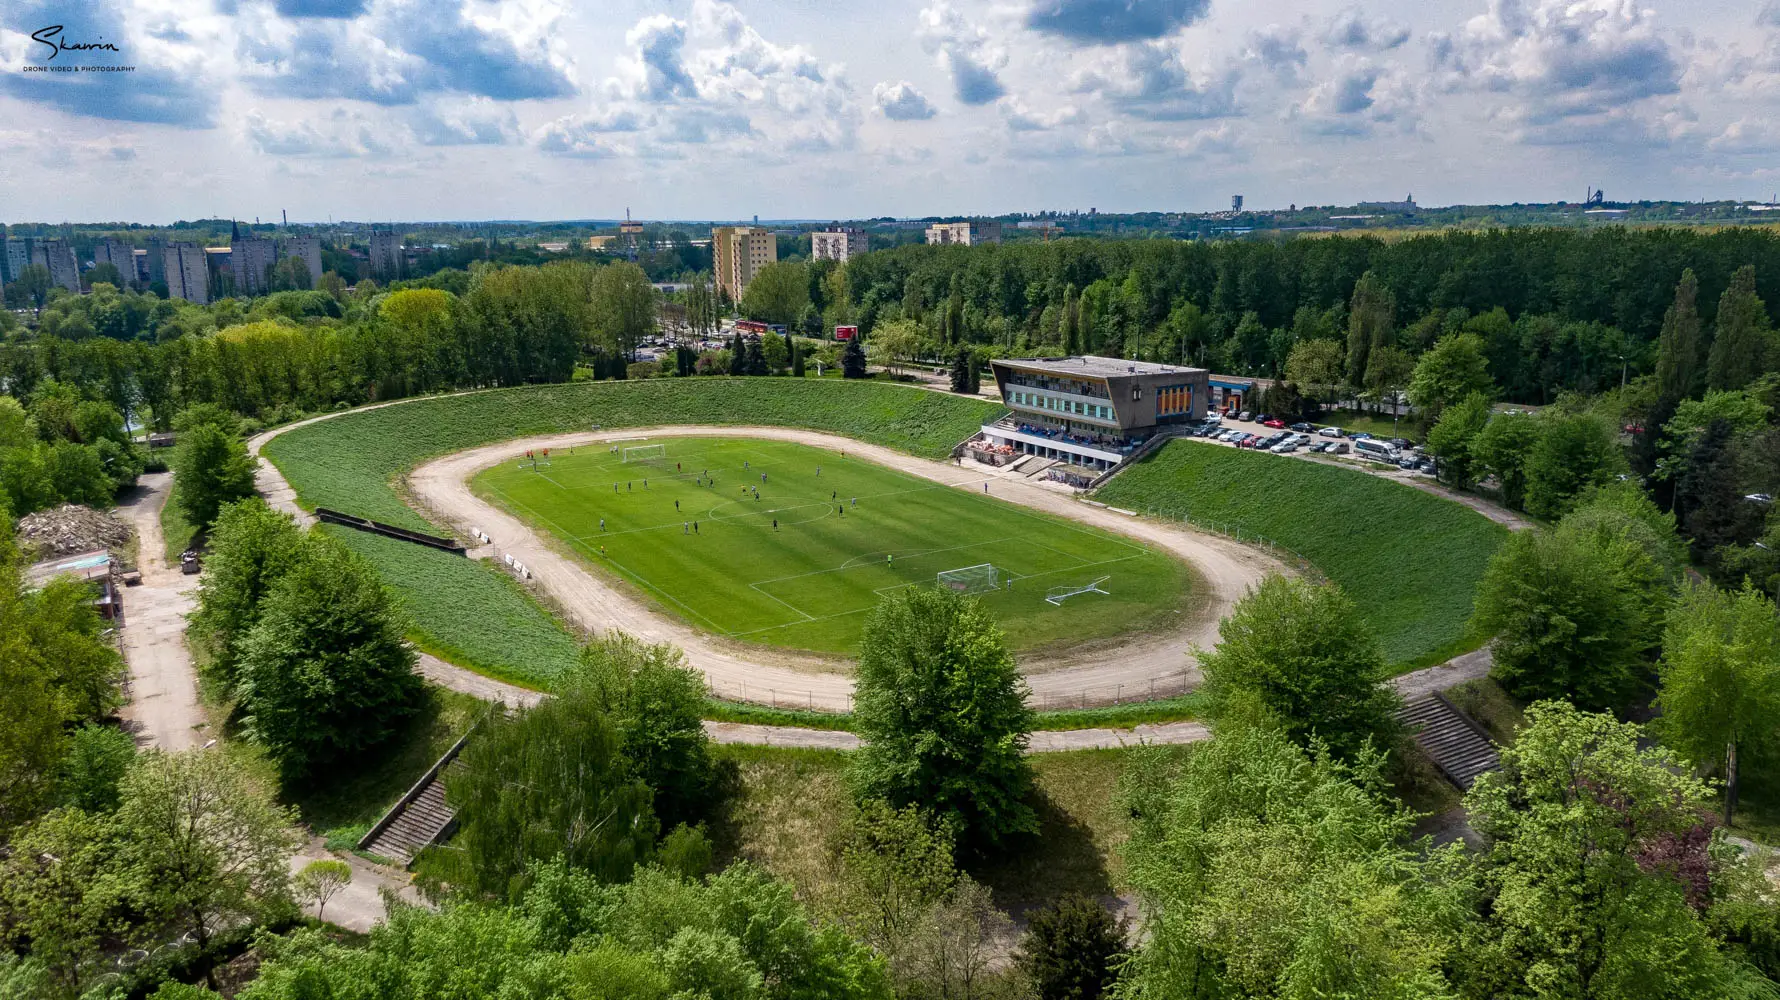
[1317, 441]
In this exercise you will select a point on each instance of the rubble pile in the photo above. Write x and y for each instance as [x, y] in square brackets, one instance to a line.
[69, 529]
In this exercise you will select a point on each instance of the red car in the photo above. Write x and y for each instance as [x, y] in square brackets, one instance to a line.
[1276, 424]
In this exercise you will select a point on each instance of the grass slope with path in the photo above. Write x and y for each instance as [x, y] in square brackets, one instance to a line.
[794, 544]
[1411, 560]
[351, 462]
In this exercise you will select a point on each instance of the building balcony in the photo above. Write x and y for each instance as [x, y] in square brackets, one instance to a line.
[1099, 448]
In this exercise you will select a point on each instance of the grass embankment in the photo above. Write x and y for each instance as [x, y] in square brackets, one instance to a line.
[794, 545]
[468, 612]
[350, 463]
[1137, 713]
[792, 804]
[177, 533]
[1411, 560]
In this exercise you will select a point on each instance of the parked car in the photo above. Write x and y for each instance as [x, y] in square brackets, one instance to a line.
[1274, 422]
[1400, 442]
[1406, 463]
[1283, 448]
[1245, 415]
[1427, 465]
[1339, 448]
[1330, 432]
[1361, 436]
[1301, 426]
[1261, 418]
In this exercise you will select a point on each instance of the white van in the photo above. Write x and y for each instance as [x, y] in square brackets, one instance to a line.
[1382, 451]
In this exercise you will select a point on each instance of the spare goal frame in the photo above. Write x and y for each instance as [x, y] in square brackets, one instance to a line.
[1057, 595]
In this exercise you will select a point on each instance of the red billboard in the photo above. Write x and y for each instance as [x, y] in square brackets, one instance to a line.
[845, 332]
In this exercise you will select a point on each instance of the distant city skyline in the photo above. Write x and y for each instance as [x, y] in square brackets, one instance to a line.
[395, 110]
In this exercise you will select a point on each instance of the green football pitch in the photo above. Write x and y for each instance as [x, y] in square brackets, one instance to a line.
[788, 545]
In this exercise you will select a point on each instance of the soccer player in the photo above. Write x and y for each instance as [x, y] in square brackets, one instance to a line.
[695, 527]
[855, 501]
[683, 527]
[775, 524]
[602, 524]
[676, 505]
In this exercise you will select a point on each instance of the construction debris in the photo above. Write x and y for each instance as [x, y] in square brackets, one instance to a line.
[70, 529]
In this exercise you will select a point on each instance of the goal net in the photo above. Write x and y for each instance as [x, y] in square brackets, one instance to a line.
[978, 579]
[645, 453]
[1057, 595]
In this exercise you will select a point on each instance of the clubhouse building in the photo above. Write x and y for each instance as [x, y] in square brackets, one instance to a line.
[1089, 411]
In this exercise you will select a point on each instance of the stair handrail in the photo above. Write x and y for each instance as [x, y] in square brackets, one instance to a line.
[414, 791]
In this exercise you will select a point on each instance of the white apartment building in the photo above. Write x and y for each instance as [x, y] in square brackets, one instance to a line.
[386, 256]
[308, 250]
[840, 244]
[250, 261]
[965, 233]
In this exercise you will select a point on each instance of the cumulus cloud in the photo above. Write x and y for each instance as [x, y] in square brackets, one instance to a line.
[1280, 51]
[401, 50]
[712, 78]
[1559, 59]
[965, 52]
[1103, 22]
[341, 134]
[1020, 118]
[319, 8]
[1352, 29]
[1152, 81]
[478, 122]
[901, 102]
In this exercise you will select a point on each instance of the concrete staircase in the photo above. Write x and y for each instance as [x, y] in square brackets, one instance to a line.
[1458, 746]
[419, 819]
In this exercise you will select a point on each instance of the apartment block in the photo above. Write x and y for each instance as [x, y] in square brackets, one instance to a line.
[965, 233]
[308, 250]
[386, 256]
[157, 260]
[838, 243]
[187, 272]
[738, 253]
[119, 255]
[58, 256]
[250, 262]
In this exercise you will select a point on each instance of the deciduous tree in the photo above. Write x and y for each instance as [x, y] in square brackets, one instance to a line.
[213, 470]
[941, 709]
[252, 546]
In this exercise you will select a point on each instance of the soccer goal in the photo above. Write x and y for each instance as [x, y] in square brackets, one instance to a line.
[979, 579]
[645, 453]
[1057, 595]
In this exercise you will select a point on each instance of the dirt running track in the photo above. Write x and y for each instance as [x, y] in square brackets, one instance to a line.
[1159, 663]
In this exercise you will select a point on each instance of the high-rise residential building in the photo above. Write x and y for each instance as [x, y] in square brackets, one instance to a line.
[308, 250]
[15, 256]
[386, 255]
[250, 262]
[58, 256]
[738, 253]
[838, 243]
[119, 255]
[157, 261]
[187, 272]
[965, 233]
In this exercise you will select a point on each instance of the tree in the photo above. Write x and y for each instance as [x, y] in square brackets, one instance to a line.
[548, 781]
[777, 293]
[961, 363]
[1316, 365]
[321, 880]
[896, 341]
[65, 891]
[1721, 680]
[738, 355]
[1454, 438]
[1596, 870]
[756, 359]
[1072, 949]
[17, 429]
[797, 352]
[1388, 371]
[894, 868]
[1302, 653]
[326, 673]
[853, 359]
[1741, 337]
[1266, 870]
[93, 767]
[251, 548]
[941, 710]
[1503, 448]
[1562, 621]
[103, 274]
[1454, 368]
[622, 312]
[1571, 454]
[1680, 354]
[1371, 319]
[34, 283]
[334, 285]
[656, 703]
[290, 274]
[213, 470]
[206, 839]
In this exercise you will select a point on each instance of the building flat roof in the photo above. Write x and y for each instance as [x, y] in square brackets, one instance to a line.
[1095, 366]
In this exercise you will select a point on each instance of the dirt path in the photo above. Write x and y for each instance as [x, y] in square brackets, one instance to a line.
[1158, 664]
[163, 690]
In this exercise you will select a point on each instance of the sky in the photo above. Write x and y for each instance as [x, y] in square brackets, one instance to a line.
[812, 109]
